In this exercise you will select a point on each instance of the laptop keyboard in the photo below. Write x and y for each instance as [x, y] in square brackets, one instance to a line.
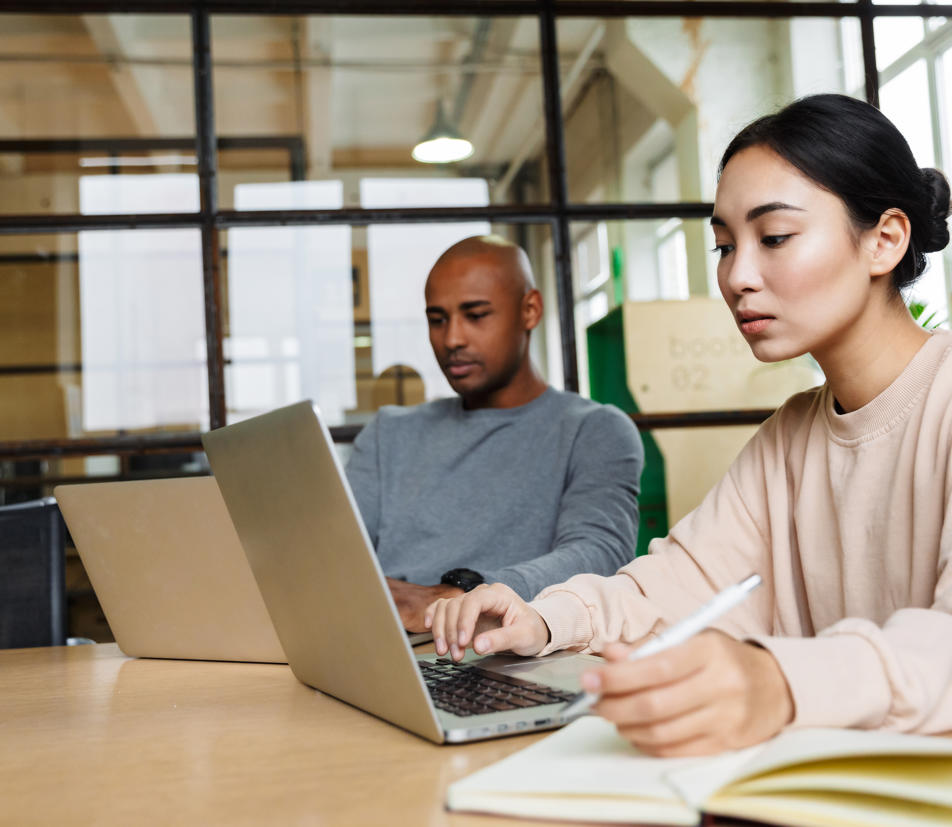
[464, 689]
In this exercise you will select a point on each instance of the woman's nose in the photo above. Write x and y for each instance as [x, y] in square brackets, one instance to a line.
[742, 272]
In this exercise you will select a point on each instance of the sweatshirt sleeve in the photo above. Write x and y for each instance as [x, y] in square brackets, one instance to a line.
[899, 674]
[893, 674]
[597, 525]
[719, 543]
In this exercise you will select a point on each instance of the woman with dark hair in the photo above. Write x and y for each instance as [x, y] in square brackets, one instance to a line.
[842, 500]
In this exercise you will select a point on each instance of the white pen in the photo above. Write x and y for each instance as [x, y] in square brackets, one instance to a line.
[678, 633]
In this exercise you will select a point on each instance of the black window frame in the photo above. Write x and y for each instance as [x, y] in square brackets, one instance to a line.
[558, 213]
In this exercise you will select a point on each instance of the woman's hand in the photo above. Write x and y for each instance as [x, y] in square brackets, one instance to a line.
[707, 695]
[493, 617]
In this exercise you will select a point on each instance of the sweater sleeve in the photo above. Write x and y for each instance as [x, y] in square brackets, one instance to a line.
[719, 543]
[899, 674]
[898, 670]
[597, 524]
[363, 474]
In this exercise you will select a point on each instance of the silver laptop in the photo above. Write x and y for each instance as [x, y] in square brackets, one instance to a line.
[168, 569]
[299, 525]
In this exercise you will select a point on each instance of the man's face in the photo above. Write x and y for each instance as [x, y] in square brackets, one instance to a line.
[478, 330]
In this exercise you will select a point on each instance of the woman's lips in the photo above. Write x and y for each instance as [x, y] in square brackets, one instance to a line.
[755, 324]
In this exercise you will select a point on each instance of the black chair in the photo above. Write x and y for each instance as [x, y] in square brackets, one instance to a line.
[32, 575]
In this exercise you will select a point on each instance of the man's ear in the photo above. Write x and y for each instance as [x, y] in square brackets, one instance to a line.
[531, 309]
[888, 241]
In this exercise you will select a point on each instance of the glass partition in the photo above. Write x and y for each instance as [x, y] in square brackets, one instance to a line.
[102, 333]
[650, 103]
[89, 95]
[364, 92]
[336, 314]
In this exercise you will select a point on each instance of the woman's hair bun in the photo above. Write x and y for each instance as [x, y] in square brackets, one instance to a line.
[935, 232]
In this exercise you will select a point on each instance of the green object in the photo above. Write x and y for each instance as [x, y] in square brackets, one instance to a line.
[918, 310]
[618, 274]
[608, 378]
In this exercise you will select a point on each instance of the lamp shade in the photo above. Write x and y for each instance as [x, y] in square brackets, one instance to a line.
[442, 144]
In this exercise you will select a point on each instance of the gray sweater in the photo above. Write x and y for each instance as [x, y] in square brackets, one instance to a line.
[527, 496]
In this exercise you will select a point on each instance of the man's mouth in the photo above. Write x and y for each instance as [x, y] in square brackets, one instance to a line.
[459, 368]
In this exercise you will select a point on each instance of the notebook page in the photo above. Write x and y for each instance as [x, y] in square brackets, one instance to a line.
[907, 778]
[584, 771]
[829, 809]
[832, 753]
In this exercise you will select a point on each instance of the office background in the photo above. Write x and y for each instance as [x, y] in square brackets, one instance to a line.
[210, 209]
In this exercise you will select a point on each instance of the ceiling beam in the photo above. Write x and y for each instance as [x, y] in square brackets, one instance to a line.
[482, 112]
[634, 70]
[317, 94]
[534, 139]
[141, 98]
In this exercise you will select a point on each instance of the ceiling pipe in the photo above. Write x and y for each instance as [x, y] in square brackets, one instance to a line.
[536, 136]
[476, 52]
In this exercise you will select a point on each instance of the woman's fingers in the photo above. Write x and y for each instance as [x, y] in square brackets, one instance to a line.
[495, 614]
[711, 693]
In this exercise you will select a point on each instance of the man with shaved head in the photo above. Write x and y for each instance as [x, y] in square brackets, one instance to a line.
[512, 481]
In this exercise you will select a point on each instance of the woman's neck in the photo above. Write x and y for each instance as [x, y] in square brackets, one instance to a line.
[863, 363]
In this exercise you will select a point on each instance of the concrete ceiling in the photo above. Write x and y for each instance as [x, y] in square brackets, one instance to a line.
[356, 88]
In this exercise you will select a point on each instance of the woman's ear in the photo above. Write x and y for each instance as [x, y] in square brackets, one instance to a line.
[888, 241]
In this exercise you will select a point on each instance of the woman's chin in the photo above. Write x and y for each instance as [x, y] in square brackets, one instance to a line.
[774, 351]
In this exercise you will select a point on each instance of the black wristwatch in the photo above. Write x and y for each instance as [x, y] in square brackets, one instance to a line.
[465, 579]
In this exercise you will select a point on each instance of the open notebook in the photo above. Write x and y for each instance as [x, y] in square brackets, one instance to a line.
[801, 778]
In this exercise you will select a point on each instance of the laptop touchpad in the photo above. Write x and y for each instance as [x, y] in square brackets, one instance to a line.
[562, 669]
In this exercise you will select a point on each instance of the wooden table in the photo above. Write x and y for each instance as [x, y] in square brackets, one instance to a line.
[89, 736]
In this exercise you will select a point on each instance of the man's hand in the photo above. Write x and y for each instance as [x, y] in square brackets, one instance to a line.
[709, 694]
[412, 601]
[493, 617]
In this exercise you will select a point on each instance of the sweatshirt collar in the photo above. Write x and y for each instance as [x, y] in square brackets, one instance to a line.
[890, 406]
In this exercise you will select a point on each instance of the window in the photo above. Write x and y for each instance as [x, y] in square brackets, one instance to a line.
[913, 61]
[162, 271]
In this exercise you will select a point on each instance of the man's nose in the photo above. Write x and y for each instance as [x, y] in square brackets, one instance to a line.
[455, 332]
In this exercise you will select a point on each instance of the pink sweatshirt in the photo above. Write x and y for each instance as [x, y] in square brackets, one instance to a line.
[847, 518]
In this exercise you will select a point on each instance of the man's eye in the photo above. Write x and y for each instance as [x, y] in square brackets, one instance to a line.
[476, 316]
[774, 240]
[434, 320]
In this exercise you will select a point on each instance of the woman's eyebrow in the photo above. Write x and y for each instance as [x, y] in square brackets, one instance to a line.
[756, 212]
[773, 206]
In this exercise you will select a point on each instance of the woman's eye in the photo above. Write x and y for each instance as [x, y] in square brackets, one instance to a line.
[723, 249]
[774, 240]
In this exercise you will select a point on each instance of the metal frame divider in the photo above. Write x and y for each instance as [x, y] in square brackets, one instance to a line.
[208, 192]
[558, 213]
